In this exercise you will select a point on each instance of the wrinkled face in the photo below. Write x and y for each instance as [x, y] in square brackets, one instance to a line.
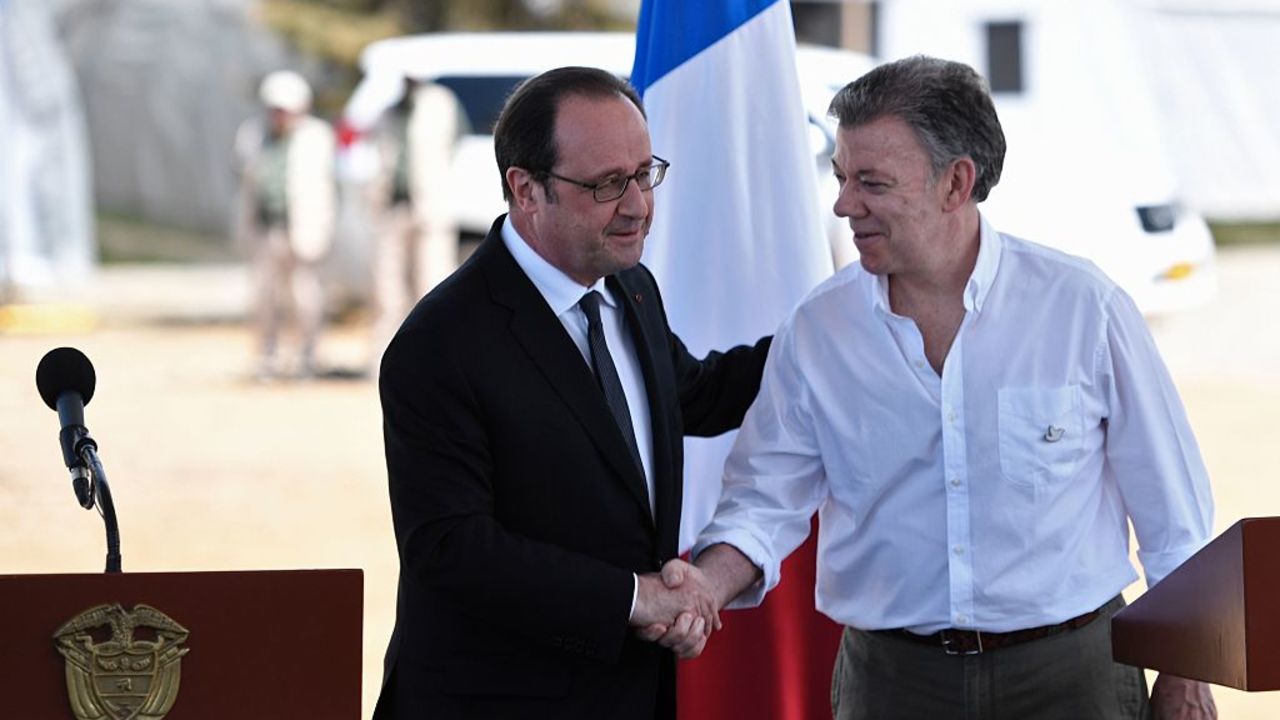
[888, 193]
[587, 240]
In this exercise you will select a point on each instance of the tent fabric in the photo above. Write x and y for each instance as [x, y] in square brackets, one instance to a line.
[45, 209]
[161, 116]
[1213, 74]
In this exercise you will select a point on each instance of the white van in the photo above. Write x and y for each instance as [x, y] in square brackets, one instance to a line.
[1159, 251]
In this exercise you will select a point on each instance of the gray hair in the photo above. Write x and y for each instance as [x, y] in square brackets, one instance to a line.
[946, 103]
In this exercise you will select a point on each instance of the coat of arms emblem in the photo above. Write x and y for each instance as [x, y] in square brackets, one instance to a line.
[122, 665]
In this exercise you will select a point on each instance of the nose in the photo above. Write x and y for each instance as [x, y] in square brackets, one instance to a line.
[635, 202]
[849, 202]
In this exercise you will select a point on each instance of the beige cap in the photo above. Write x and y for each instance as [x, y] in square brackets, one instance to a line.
[286, 90]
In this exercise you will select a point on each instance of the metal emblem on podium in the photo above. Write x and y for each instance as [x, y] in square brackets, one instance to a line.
[120, 664]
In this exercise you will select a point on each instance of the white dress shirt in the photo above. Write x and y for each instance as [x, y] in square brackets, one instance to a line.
[562, 294]
[995, 497]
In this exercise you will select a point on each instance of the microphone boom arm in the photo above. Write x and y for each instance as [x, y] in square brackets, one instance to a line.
[99, 488]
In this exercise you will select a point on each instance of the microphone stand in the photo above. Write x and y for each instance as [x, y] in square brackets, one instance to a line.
[100, 490]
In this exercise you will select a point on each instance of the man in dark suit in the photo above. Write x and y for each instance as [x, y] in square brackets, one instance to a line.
[534, 405]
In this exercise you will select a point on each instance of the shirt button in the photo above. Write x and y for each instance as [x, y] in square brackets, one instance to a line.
[951, 417]
[959, 549]
[962, 619]
[919, 364]
[955, 482]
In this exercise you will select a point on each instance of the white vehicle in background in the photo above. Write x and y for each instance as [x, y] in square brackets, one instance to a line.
[1128, 223]
[483, 68]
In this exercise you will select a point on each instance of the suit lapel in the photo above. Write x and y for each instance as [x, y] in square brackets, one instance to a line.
[549, 347]
[651, 348]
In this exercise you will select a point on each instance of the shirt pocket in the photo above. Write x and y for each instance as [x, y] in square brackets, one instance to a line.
[1041, 434]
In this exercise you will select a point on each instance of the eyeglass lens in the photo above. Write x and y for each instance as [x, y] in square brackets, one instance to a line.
[646, 178]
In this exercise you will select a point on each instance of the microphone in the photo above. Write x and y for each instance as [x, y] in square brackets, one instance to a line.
[66, 382]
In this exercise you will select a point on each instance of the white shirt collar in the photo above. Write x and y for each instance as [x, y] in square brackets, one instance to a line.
[560, 291]
[990, 243]
[977, 288]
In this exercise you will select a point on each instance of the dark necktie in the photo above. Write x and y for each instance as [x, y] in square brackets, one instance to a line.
[607, 374]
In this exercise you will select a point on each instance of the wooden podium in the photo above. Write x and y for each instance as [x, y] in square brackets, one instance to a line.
[1217, 617]
[269, 644]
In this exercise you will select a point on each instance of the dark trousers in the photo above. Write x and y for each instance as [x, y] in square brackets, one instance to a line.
[1068, 676]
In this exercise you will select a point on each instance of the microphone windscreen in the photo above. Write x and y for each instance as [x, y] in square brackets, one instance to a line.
[62, 369]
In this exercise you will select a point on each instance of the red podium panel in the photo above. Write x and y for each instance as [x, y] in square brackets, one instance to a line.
[1217, 617]
[269, 644]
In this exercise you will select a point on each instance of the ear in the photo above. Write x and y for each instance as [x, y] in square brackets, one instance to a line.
[524, 189]
[957, 183]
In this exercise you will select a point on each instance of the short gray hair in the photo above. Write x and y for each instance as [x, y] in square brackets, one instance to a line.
[947, 104]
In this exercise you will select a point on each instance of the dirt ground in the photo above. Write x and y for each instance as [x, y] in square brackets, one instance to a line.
[211, 470]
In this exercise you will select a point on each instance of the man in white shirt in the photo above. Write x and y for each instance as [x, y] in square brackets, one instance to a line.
[977, 419]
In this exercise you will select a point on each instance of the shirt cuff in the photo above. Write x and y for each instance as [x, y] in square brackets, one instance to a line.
[759, 556]
[635, 593]
[1157, 565]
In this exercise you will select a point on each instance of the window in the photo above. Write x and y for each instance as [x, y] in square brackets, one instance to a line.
[1004, 57]
[481, 96]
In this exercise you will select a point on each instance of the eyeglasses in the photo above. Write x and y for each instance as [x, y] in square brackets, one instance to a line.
[614, 186]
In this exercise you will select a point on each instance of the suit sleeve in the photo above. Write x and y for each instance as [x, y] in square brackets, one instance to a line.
[452, 545]
[716, 390]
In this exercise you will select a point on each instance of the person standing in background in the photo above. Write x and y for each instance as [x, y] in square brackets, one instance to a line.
[415, 232]
[286, 220]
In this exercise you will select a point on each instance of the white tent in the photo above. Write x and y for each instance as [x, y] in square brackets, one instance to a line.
[1214, 67]
[165, 85]
[45, 216]
[1184, 88]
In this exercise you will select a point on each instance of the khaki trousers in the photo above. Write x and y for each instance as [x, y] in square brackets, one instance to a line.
[408, 260]
[283, 283]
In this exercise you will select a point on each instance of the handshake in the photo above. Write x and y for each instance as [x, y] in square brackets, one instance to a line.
[679, 607]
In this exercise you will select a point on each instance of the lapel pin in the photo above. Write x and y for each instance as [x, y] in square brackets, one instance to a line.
[639, 297]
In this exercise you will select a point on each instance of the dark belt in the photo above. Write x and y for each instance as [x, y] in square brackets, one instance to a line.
[972, 642]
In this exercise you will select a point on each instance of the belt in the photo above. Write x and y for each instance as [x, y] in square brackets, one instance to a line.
[972, 642]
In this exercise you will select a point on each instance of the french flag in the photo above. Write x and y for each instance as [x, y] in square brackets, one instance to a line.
[736, 243]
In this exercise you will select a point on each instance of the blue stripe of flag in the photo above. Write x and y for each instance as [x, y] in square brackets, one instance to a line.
[673, 31]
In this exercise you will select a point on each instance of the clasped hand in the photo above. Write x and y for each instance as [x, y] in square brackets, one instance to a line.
[676, 608]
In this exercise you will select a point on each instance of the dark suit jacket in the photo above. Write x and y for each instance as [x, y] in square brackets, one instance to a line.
[519, 512]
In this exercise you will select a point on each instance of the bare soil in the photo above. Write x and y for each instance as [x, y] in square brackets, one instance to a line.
[211, 470]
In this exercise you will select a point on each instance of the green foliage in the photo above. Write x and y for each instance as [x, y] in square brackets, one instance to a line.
[332, 30]
[336, 31]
